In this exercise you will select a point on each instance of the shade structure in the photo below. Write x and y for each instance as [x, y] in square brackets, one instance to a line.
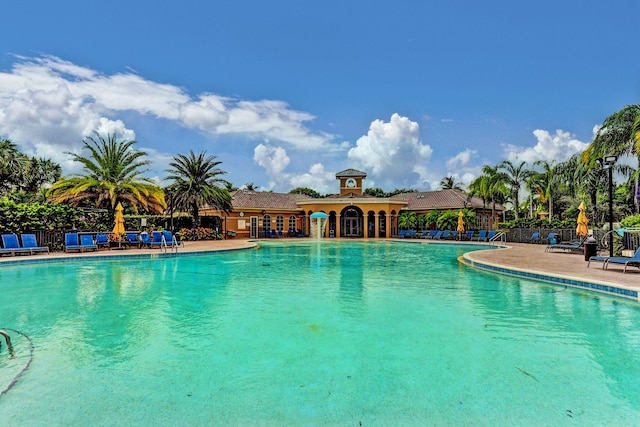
[460, 222]
[119, 221]
[582, 229]
[318, 215]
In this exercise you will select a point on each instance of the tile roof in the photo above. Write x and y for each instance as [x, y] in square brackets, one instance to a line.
[441, 199]
[350, 172]
[350, 195]
[243, 199]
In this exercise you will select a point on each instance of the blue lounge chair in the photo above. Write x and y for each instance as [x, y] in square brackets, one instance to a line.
[102, 240]
[490, 235]
[552, 239]
[401, 233]
[567, 247]
[633, 261]
[10, 242]
[156, 240]
[446, 234]
[86, 243]
[71, 242]
[438, 235]
[133, 240]
[29, 242]
[454, 234]
[170, 239]
[469, 234]
[432, 234]
[482, 235]
[145, 240]
[535, 237]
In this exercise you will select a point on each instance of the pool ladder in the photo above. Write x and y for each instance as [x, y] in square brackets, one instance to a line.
[7, 338]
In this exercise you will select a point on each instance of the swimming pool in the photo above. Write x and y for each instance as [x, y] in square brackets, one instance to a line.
[312, 333]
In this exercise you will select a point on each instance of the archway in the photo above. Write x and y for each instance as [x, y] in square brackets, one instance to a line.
[351, 220]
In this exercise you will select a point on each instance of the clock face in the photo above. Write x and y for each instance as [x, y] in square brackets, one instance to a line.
[351, 183]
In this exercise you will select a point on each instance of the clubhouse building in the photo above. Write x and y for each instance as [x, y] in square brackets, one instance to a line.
[348, 213]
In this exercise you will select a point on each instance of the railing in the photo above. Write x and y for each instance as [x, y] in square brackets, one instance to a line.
[501, 236]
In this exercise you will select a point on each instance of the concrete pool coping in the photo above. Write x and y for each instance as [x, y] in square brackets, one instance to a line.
[516, 259]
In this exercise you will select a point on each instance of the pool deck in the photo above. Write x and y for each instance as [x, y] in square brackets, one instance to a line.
[521, 259]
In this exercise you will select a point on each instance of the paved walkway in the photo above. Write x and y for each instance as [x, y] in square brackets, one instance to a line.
[517, 256]
[533, 258]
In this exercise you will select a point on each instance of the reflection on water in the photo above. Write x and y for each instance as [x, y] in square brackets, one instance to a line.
[316, 332]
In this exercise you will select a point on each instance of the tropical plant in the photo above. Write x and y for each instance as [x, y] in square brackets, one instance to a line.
[112, 174]
[407, 220]
[430, 220]
[545, 184]
[306, 191]
[513, 177]
[619, 135]
[489, 187]
[39, 172]
[375, 192]
[27, 217]
[447, 221]
[196, 183]
[450, 183]
[12, 164]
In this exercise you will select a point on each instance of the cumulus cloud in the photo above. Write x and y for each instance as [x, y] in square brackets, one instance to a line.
[461, 159]
[557, 147]
[392, 151]
[49, 105]
[275, 160]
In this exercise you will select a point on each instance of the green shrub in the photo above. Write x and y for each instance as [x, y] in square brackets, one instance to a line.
[631, 221]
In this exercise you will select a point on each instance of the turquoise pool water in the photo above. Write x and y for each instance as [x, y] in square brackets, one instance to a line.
[314, 333]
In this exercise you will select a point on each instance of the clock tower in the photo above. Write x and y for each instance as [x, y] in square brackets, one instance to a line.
[351, 182]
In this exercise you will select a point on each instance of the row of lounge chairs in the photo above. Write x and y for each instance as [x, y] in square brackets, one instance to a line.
[483, 235]
[11, 245]
[85, 242]
[633, 261]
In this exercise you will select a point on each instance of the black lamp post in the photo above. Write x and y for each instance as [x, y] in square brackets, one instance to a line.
[607, 163]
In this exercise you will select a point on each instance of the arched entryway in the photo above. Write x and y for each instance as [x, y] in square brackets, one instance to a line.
[351, 222]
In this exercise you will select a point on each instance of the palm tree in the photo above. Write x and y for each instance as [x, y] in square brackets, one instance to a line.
[449, 183]
[196, 182]
[38, 173]
[513, 177]
[12, 164]
[546, 183]
[407, 219]
[250, 186]
[489, 187]
[112, 174]
[619, 135]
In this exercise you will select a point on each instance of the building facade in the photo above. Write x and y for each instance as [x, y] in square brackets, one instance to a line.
[350, 212]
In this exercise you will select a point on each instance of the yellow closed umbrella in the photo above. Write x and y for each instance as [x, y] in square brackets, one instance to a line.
[582, 229]
[119, 226]
[460, 222]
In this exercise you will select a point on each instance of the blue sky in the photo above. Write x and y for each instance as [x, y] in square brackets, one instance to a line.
[287, 93]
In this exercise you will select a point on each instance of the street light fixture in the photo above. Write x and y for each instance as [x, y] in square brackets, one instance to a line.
[607, 163]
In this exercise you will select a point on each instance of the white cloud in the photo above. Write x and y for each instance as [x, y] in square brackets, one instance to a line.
[461, 159]
[392, 152]
[274, 160]
[49, 105]
[558, 147]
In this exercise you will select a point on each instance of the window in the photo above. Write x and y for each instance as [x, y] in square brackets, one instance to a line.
[280, 223]
[266, 223]
[292, 222]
